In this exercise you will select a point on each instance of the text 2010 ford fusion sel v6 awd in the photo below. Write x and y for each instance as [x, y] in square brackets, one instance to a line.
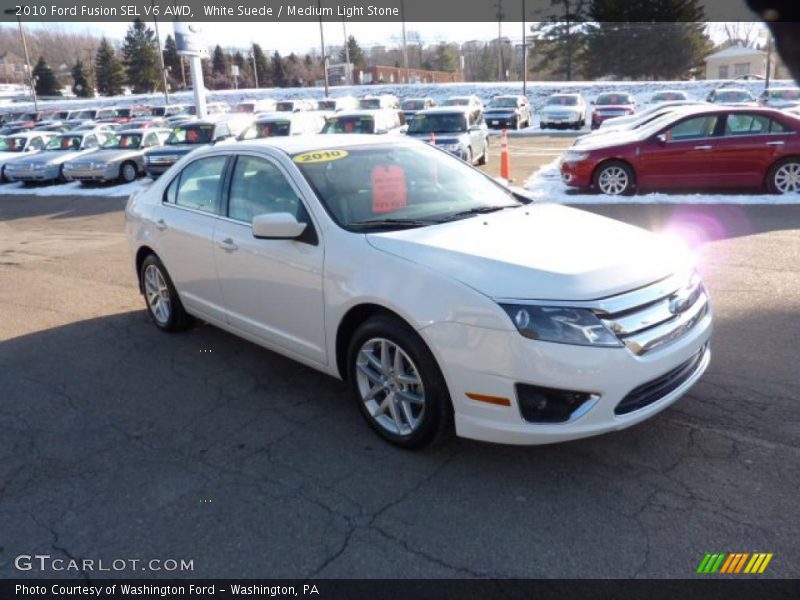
[435, 291]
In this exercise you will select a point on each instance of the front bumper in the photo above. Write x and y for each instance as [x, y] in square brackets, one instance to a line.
[109, 173]
[50, 173]
[577, 174]
[558, 120]
[491, 362]
[155, 170]
[501, 121]
[598, 118]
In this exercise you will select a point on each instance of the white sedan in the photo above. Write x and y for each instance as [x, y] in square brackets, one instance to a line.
[436, 292]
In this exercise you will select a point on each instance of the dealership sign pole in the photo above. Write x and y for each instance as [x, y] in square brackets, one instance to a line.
[188, 42]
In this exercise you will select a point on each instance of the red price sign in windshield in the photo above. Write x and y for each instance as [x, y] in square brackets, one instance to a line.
[388, 188]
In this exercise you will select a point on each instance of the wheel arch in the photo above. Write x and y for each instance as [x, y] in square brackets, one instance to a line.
[766, 183]
[616, 159]
[142, 253]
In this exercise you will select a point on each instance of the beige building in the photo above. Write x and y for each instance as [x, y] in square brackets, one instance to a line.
[739, 61]
[12, 68]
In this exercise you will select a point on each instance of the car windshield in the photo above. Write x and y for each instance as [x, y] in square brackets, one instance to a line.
[265, 129]
[363, 124]
[438, 123]
[457, 102]
[398, 186]
[327, 104]
[284, 106]
[125, 141]
[784, 94]
[613, 99]
[562, 101]
[82, 114]
[503, 103]
[244, 107]
[12, 144]
[413, 104]
[667, 96]
[370, 103]
[64, 142]
[191, 134]
[733, 96]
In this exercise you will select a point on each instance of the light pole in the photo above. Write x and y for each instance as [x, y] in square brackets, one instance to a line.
[347, 73]
[405, 48]
[255, 66]
[12, 11]
[322, 45]
[524, 54]
[160, 57]
[500, 16]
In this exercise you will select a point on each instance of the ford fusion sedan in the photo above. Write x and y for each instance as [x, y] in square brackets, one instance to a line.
[563, 110]
[708, 148]
[733, 97]
[48, 165]
[781, 97]
[380, 121]
[282, 124]
[184, 139]
[21, 146]
[668, 96]
[455, 130]
[612, 104]
[411, 106]
[121, 157]
[508, 112]
[435, 292]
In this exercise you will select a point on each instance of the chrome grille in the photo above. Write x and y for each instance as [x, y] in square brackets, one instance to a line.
[657, 315]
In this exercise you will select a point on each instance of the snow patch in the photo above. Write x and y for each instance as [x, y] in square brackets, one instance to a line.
[75, 188]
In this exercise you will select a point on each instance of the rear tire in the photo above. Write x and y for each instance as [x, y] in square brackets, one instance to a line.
[614, 178]
[163, 303]
[784, 177]
[397, 383]
[484, 159]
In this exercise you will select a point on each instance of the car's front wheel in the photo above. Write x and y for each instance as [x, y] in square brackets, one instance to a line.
[784, 177]
[163, 303]
[128, 172]
[397, 383]
[614, 178]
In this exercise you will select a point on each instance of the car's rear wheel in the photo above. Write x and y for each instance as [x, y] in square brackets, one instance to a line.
[163, 303]
[784, 177]
[484, 159]
[128, 172]
[468, 157]
[614, 178]
[397, 383]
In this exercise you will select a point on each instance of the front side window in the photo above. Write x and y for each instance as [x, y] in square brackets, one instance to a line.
[257, 188]
[692, 129]
[197, 186]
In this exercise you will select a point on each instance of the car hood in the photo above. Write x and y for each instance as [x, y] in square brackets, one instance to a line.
[500, 111]
[541, 251]
[114, 155]
[442, 138]
[559, 108]
[606, 139]
[9, 155]
[609, 107]
[57, 157]
[178, 149]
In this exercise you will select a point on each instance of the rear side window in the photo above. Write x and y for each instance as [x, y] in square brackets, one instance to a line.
[197, 187]
[747, 124]
[690, 129]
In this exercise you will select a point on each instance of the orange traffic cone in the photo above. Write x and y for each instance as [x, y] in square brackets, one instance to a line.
[505, 167]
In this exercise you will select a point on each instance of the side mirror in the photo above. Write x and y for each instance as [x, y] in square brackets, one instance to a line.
[661, 138]
[277, 226]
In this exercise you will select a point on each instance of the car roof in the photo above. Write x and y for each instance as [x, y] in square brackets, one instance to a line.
[732, 89]
[576, 94]
[144, 131]
[445, 109]
[27, 134]
[364, 112]
[614, 93]
[302, 143]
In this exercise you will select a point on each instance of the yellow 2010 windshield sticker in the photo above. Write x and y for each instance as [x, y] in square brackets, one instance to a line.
[319, 156]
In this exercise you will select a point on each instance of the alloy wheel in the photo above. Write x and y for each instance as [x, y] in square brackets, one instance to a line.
[390, 386]
[157, 294]
[787, 178]
[128, 172]
[613, 181]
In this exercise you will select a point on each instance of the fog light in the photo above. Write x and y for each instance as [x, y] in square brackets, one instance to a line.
[548, 405]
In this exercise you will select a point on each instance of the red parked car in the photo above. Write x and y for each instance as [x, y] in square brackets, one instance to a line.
[612, 104]
[742, 148]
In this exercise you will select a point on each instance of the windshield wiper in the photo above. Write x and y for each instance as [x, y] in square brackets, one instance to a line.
[392, 223]
[478, 210]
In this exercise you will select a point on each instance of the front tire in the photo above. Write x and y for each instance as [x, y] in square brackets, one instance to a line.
[397, 383]
[614, 178]
[784, 177]
[163, 303]
[128, 172]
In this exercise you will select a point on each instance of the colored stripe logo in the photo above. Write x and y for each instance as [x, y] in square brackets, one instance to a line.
[734, 563]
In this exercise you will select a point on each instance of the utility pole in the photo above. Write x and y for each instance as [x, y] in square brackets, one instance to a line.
[524, 54]
[405, 47]
[12, 11]
[500, 16]
[322, 45]
[347, 73]
[160, 57]
[255, 66]
[769, 61]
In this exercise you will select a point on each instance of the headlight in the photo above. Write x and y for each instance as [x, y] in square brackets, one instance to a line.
[100, 165]
[577, 326]
[39, 166]
[451, 147]
[575, 156]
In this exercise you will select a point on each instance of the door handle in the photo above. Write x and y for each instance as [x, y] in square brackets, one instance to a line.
[161, 225]
[775, 143]
[703, 147]
[228, 244]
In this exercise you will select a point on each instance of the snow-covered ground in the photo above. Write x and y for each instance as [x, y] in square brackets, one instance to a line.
[546, 185]
[75, 188]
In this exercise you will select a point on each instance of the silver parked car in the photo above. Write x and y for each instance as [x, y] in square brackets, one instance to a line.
[21, 146]
[455, 129]
[121, 158]
[48, 166]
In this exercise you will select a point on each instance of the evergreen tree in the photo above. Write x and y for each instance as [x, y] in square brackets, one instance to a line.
[278, 70]
[262, 67]
[219, 62]
[81, 86]
[357, 58]
[658, 39]
[561, 39]
[46, 82]
[140, 57]
[109, 72]
[445, 58]
[173, 63]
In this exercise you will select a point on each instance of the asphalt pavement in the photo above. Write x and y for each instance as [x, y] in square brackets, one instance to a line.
[122, 442]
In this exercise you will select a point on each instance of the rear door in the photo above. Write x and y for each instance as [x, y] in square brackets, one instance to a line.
[686, 158]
